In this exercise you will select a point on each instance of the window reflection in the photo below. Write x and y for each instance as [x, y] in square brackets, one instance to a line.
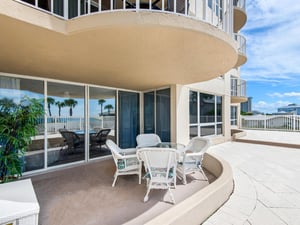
[12, 91]
[102, 121]
[65, 123]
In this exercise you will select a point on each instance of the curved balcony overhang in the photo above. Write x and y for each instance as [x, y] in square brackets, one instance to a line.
[242, 57]
[238, 90]
[238, 99]
[126, 49]
[240, 18]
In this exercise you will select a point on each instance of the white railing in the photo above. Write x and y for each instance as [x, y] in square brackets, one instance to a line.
[216, 12]
[241, 40]
[238, 87]
[271, 122]
[75, 123]
[240, 4]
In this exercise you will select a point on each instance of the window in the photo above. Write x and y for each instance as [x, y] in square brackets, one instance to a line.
[157, 113]
[205, 114]
[233, 115]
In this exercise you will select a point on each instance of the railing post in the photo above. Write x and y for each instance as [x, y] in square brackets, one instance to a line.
[294, 122]
[265, 124]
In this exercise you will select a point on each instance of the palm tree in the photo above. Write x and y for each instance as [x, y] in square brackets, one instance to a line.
[101, 102]
[71, 103]
[108, 107]
[60, 105]
[50, 101]
[6, 103]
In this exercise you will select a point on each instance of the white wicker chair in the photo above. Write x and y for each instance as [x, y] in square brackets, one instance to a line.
[147, 140]
[126, 161]
[192, 158]
[160, 165]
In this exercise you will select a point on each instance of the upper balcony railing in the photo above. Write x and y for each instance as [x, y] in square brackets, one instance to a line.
[241, 40]
[240, 4]
[238, 87]
[216, 12]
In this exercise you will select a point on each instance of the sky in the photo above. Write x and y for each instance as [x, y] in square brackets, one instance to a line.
[272, 70]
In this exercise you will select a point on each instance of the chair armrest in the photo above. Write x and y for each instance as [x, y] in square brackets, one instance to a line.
[194, 154]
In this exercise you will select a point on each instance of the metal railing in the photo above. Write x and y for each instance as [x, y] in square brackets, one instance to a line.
[216, 12]
[240, 4]
[271, 122]
[241, 40]
[238, 87]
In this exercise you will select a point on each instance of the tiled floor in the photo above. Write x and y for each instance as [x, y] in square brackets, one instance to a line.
[267, 185]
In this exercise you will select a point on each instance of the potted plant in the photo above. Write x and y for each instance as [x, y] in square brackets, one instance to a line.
[17, 126]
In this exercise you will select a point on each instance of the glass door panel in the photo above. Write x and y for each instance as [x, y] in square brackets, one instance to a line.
[12, 92]
[65, 123]
[129, 118]
[163, 114]
[102, 121]
[149, 112]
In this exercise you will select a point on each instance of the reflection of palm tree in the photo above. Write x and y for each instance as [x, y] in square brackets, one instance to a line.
[60, 105]
[108, 107]
[71, 103]
[101, 102]
[50, 101]
[6, 103]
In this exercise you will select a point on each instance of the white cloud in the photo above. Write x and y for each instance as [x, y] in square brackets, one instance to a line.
[273, 46]
[269, 107]
[287, 94]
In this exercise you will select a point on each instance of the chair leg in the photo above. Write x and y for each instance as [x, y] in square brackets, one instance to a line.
[115, 179]
[184, 177]
[146, 198]
[204, 175]
[172, 196]
[140, 174]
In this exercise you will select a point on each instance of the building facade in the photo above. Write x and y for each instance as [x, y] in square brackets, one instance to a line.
[291, 108]
[247, 106]
[168, 67]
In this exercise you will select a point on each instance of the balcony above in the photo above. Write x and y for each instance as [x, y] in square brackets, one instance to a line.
[238, 90]
[239, 16]
[125, 48]
[242, 58]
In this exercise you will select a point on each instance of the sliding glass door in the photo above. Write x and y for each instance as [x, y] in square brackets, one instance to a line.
[129, 118]
[157, 113]
[65, 123]
[102, 120]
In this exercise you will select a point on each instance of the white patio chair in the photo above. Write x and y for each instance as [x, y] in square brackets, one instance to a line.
[125, 160]
[192, 158]
[147, 140]
[160, 166]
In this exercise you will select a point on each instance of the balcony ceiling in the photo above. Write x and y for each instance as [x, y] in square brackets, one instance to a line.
[131, 50]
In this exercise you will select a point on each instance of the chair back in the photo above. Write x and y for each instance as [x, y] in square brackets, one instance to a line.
[198, 144]
[147, 140]
[160, 163]
[69, 136]
[102, 135]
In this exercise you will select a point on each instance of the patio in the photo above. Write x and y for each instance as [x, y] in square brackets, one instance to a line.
[267, 180]
[83, 195]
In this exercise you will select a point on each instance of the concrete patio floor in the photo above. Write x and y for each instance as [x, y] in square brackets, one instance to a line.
[267, 189]
[267, 181]
[84, 195]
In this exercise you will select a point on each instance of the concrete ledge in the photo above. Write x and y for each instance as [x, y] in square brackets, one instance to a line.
[272, 143]
[198, 207]
[235, 134]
